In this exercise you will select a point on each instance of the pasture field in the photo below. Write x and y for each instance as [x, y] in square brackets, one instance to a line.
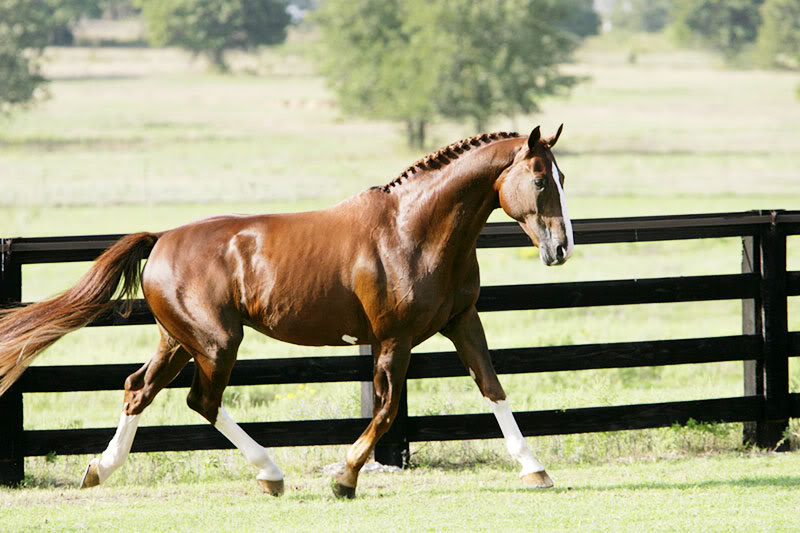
[139, 139]
[722, 493]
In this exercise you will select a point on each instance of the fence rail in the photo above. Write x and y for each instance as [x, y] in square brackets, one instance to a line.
[764, 347]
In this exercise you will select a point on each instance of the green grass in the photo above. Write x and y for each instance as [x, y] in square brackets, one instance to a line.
[140, 139]
[749, 492]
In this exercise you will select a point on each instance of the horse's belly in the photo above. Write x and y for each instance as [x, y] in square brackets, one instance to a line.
[313, 322]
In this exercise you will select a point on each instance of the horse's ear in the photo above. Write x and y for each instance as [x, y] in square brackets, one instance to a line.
[534, 138]
[553, 141]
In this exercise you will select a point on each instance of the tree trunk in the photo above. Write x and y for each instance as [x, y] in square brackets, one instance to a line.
[217, 58]
[480, 125]
[415, 131]
[411, 133]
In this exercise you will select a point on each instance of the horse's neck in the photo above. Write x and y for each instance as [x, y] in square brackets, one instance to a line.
[449, 206]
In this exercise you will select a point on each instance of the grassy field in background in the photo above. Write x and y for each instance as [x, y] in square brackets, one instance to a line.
[139, 139]
[723, 493]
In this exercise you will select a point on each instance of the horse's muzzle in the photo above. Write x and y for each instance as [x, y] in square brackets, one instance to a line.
[553, 253]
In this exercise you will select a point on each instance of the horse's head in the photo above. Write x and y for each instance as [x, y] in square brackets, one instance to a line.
[531, 191]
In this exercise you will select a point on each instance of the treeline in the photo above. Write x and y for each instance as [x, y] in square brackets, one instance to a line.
[755, 32]
[410, 60]
[209, 27]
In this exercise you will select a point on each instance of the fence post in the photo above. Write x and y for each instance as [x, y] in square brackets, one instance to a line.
[751, 325]
[392, 448]
[12, 457]
[775, 329]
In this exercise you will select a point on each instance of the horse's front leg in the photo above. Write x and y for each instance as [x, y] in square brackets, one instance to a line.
[389, 372]
[466, 333]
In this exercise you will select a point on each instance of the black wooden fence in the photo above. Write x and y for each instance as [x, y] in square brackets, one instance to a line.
[764, 346]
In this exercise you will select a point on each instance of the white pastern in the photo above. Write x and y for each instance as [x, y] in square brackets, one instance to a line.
[253, 451]
[120, 446]
[567, 221]
[349, 339]
[515, 442]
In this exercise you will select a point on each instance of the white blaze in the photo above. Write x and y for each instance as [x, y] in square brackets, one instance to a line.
[349, 339]
[567, 221]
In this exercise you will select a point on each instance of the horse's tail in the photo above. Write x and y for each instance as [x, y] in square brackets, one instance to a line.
[26, 331]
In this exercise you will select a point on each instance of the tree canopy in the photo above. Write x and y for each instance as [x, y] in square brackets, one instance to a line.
[724, 25]
[779, 34]
[581, 18]
[641, 15]
[212, 27]
[413, 60]
[25, 27]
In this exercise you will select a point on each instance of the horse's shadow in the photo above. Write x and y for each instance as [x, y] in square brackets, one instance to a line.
[746, 482]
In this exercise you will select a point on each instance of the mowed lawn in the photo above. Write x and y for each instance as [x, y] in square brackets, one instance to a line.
[721, 493]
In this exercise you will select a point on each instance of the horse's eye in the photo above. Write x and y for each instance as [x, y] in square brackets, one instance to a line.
[539, 182]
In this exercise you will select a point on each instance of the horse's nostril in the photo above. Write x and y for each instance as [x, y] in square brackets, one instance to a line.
[561, 252]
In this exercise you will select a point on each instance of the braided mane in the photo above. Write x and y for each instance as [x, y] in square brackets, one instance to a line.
[445, 155]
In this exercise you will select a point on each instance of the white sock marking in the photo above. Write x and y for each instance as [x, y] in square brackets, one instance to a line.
[120, 446]
[254, 453]
[567, 221]
[515, 442]
[349, 339]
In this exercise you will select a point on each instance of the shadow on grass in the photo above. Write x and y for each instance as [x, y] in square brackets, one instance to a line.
[663, 153]
[94, 77]
[184, 133]
[746, 483]
[51, 144]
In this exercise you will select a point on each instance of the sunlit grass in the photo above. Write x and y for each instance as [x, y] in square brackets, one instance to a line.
[734, 492]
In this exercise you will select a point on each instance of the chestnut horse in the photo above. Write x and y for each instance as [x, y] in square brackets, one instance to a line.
[389, 267]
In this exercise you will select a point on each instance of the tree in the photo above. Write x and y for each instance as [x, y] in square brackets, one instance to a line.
[724, 25]
[779, 35]
[65, 13]
[641, 15]
[212, 27]
[581, 18]
[25, 26]
[413, 60]
[505, 57]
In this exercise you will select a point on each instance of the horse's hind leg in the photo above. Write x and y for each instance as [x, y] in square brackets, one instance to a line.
[210, 379]
[466, 333]
[141, 388]
[389, 373]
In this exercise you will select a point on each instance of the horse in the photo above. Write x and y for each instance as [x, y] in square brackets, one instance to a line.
[388, 267]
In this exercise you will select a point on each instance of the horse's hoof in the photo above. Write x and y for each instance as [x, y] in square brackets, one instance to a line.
[342, 491]
[537, 480]
[91, 478]
[273, 488]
